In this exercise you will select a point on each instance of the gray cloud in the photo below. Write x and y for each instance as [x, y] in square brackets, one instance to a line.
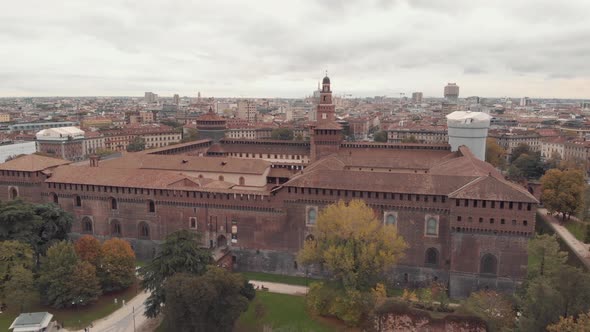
[270, 48]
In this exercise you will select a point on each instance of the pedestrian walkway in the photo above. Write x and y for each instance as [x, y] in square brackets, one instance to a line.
[128, 318]
[582, 250]
[274, 287]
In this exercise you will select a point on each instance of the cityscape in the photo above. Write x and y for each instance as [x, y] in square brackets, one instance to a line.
[310, 185]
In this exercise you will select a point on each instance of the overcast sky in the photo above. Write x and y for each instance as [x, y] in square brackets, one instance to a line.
[274, 48]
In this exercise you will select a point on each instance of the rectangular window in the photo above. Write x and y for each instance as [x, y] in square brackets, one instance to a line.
[475, 203]
[493, 204]
[457, 202]
[458, 218]
[520, 206]
[501, 205]
[483, 204]
[491, 220]
[502, 221]
[528, 207]
[466, 203]
[510, 205]
[480, 220]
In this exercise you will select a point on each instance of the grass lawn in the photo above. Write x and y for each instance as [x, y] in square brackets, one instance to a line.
[283, 311]
[76, 318]
[283, 279]
[577, 229]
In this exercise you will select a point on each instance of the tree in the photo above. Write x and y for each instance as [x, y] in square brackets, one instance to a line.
[117, 265]
[495, 154]
[411, 139]
[284, 134]
[526, 166]
[545, 258]
[521, 149]
[541, 306]
[218, 294]
[492, 307]
[563, 191]
[569, 324]
[137, 144]
[180, 252]
[341, 241]
[14, 256]
[88, 249]
[380, 136]
[357, 249]
[21, 289]
[55, 226]
[191, 135]
[65, 280]
[552, 288]
[38, 225]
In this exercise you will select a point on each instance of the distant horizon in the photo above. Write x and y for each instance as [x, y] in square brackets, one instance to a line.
[282, 49]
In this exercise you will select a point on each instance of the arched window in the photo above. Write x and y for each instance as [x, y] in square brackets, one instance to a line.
[114, 204]
[116, 228]
[312, 216]
[489, 264]
[86, 225]
[13, 193]
[151, 206]
[431, 226]
[431, 256]
[221, 178]
[144, 230]
[221, 241]
[390, 219]
[54, 198]
[78, 201]
[242, 181]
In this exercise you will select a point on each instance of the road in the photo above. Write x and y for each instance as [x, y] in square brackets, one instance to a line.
[122, 319]
[274, 287]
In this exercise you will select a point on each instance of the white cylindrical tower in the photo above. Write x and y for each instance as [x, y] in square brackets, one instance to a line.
[469, 129]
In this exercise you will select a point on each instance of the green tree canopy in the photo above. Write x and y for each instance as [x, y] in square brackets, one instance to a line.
[211, 302]
[21, 289]
[13, 255]
[526, 166]
[411, 139]
[380, 136]
[117, 265]
[39, 225]
[180, 252]
[553, 288]
[137, 144]
[569, 324]
[520, 150]
[285, 134]
[65, 280]
[563, 191]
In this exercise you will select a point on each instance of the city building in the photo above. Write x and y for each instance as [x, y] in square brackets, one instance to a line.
[36, 126]
[451, 92]
[247, 110]
[469, 129]
[150, 97]
[4, 117]
[417, 97]
[176, 99]
[64, 142]
[465, 224]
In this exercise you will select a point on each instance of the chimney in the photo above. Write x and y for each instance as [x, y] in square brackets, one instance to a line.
[94, 160]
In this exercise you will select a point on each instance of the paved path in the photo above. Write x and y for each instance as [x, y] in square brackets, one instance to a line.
[122, 319]
[274, 287]
[581, 249]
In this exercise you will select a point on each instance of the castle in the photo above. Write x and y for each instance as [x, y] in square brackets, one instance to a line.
[464, 223]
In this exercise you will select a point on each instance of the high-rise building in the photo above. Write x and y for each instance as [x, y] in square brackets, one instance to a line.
[150, 97]
[247, 110]
[525, 101]
[416, 97]
[176, 99]
[452, 92]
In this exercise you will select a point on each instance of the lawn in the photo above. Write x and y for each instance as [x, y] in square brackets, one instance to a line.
[286, 312]
[76, 318]
[283, 279]
[577, 229]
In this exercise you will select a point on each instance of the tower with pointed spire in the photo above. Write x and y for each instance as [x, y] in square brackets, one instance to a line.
[326, 134]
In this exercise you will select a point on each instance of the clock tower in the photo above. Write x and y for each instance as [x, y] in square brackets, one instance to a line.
[326, 134]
